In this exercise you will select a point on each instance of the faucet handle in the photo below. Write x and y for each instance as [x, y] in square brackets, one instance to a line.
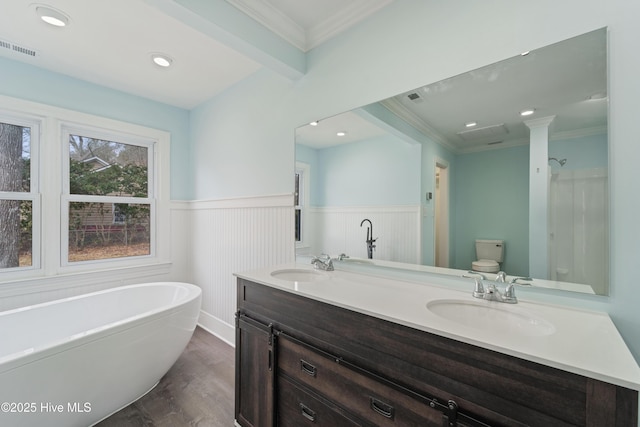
[478, 290]
[515, 281]
[510, 291]
[476, 274]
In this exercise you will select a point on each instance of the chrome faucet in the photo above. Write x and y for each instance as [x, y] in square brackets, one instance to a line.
[491, 291]
[501, 277]
[322, 262]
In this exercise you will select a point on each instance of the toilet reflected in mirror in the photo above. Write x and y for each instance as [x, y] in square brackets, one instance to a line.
[490, 254]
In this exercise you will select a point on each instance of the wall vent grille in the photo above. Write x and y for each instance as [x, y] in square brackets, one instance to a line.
[17, 48]
[24, 50]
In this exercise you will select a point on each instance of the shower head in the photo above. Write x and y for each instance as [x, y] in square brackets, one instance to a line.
[561, 161]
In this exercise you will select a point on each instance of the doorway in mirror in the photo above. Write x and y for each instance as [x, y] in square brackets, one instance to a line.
[441, 210]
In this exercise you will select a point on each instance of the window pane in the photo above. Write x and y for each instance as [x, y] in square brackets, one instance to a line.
[106, 230]
[106, 168]
[298, 225]
[296, 193]
[15, 163]
[16, 231]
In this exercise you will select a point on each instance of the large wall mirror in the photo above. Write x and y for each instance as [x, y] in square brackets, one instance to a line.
[515, 152]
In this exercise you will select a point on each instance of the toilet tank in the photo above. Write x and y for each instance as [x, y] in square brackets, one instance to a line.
[490, 249]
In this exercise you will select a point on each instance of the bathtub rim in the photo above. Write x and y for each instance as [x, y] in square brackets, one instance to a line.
[22, 357]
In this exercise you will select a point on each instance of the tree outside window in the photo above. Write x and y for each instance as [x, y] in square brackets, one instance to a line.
[109, 211]
[16, 200]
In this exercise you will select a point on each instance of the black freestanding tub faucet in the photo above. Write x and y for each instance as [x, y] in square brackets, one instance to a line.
[370, 240]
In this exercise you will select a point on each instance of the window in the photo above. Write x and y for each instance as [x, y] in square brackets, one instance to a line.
[78, 190]
[298, 207]
[109, 200]
[18, 193]
[300, 201]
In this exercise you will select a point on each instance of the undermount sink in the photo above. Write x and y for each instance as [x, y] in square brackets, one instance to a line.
[492, 316]
[299, 275]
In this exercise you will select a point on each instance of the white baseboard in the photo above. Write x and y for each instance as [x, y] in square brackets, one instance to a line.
[217, 327]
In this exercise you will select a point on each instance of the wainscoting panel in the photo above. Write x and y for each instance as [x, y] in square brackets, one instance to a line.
[230, 236]
[337, 230]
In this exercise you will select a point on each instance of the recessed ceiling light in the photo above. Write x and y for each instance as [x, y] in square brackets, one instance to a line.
[161, 60]
[470, 124]
[527, 112]
[314, 123]
[341, 133]
[52, 16]
[525, 53]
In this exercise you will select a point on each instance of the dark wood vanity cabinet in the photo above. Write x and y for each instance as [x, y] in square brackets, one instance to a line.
[304, 362]
[255, 373]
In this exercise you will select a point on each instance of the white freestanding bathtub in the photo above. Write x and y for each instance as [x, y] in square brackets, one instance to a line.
[75, 361]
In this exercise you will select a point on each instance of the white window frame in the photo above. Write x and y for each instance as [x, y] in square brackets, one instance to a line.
[304, 170]
[69, 129]
[35, 124]
[52, 242]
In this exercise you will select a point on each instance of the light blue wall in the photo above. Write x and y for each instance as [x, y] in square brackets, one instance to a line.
[584, 152]
[494, 186]
[409, 44]
[382, 171]
[243, 139]
[431, 153]
[492, 202]
[20, 80]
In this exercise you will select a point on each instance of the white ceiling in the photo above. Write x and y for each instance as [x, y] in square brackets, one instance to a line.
[109, 42]
[556, 80]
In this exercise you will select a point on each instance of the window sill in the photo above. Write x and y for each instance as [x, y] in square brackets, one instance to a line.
[117, 276]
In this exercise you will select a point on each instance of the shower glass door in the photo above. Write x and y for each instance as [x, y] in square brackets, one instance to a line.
[578, 234]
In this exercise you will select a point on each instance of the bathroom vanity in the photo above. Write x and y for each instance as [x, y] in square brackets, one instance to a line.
[339, 348]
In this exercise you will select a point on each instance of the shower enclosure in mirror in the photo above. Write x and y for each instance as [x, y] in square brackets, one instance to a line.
[460, 160]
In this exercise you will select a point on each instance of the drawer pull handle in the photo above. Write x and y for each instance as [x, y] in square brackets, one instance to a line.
[381, 408]
[308, 368]
[307, 412]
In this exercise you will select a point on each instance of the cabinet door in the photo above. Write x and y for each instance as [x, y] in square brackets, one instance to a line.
[254, 406]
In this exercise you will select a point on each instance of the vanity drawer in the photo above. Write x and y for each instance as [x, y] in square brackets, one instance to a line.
[358, 392]
[297, 408]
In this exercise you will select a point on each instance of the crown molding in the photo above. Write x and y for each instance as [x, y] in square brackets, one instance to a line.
[347, 17]
[403, 113]
[578, 133]
[278, 22]
[275, 20]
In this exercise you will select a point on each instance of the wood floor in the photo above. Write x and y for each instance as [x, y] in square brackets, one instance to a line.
[197, 391]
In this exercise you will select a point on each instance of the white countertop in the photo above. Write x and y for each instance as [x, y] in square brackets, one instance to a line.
[583, 342]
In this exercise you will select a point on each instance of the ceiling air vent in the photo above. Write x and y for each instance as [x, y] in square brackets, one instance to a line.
[17, 48]
[415, 97]
[493, 131]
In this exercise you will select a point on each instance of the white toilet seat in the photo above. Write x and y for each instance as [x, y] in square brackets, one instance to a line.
[485, 266]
